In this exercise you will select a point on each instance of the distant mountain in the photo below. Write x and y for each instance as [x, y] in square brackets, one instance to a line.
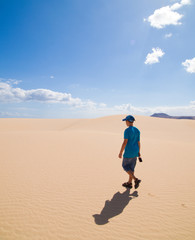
[164, 115]
[161, 115]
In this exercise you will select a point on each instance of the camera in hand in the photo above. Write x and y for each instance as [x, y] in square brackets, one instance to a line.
[140, 159]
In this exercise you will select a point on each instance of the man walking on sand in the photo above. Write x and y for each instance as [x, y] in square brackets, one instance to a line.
[131, 145]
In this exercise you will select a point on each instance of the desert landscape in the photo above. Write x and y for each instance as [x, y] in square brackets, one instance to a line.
[62, 179]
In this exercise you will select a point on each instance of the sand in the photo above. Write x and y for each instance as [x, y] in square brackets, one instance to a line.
[61, 179]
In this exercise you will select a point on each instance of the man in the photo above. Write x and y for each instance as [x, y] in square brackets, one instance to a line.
[131, 145]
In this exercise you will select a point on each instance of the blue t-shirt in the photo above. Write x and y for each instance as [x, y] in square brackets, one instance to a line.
[133, 136]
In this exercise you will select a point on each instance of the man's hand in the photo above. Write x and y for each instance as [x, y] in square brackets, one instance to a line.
[120, 155]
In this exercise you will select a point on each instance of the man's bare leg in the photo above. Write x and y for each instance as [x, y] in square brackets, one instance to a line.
[131, 176]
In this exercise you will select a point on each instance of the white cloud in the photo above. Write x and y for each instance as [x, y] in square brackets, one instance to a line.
[51, 76]
[102, 105]
[181, 4]
[167, 15]
[164, 16]
[176, 6]
[153, 57]
[188, 110]
[185, 2]
[189, 65]
[128, 108]
[168, 35]
[13, 114]
[8, 93]
[11, 81]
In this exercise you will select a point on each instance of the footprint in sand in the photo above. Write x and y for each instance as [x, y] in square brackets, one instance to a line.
[151, 195]
[183, 205]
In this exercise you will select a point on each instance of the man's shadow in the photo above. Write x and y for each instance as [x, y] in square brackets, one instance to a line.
[114, 207]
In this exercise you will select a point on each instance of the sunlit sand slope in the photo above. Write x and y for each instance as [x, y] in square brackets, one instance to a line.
[61, 179]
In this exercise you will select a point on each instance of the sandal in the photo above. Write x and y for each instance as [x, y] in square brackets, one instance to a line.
[137, 182]
[127, 185]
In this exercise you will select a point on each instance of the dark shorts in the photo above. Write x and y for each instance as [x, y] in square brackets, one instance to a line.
[129, 164]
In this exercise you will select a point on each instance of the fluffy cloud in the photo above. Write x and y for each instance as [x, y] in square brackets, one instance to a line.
[189, 65]
[176, 6]
[188, 110]
[8, 93]
[168, 35]
[167, 15]
[164, 16]
[153, 57]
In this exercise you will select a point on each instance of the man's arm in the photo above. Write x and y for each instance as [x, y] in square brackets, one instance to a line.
[123, 147]
[139, 144]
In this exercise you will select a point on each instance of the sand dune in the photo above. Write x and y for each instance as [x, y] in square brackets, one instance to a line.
[61, 179]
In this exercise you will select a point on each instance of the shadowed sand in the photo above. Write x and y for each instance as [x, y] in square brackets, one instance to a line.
[61, 179]
[114, 207]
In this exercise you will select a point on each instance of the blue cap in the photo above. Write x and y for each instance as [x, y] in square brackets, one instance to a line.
[129, 118]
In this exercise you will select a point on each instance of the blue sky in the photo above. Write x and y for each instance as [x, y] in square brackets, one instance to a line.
[83, 58]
